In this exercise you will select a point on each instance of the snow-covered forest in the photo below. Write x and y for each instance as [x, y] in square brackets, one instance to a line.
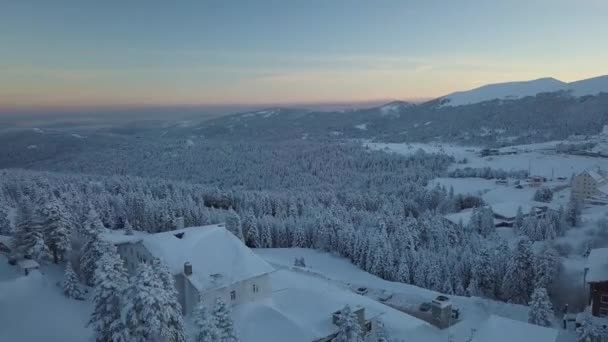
[371, 207]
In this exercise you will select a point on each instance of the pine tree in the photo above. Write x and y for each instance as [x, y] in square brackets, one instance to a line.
[349, 329]
[145, 310]
[71, 287]
[484, 274]
[206, 331]
[547, 268]
[233, 224]
[128, 227]
[223, 322]
[518, 283]
[92, 251]
[110, 283]
[5, 225]
[57, 228]
[29, 241]
[541, 310]
[299, 238]
[174, 330]
[519, 221]
[250, 230]
[573, 212]
[92, 225]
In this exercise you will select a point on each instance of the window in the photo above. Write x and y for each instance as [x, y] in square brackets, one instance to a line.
[603, 312]
[232, 295]
[256, 289]
[604, 299]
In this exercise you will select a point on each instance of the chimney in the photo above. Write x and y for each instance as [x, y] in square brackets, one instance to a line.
[187, 268]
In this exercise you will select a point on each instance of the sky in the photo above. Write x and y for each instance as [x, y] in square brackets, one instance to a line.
[82, 53]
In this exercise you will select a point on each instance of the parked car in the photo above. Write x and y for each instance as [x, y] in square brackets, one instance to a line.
[361, 290]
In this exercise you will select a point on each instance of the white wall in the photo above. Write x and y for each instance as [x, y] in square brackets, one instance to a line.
[243, 290]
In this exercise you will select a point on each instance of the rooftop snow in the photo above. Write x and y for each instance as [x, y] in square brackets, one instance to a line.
[218, 258]
[463, 217]
[500, 329]
[597, 266]
[301, 310]
[596, 176]
[509, 209]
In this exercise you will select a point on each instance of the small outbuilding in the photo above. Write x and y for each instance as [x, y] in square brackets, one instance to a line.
[28, 265]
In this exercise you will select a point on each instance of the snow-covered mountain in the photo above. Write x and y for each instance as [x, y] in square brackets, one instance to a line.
[509, 90]
[590, 86]
[516, 90]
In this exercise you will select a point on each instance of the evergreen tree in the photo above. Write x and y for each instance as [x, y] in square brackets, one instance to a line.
[573, 212]
[128, 227]
[518, 283]
[250, 230]
[92, 224]
[5, 225]
[519, 221]
[110, 282]
[349, 329]
[223, 322]
[71, 287]
[57, 228]
[206, 331]
[547, 268]
[541, 310]
[299, 238]
[484, 274]
[29, 241]
[174, 330]
[233, 224]
[146, 318]
[92, 251]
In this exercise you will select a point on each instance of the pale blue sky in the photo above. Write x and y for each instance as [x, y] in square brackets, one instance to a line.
[72, 53]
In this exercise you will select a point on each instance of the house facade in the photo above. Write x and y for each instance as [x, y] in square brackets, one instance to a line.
[590, 186]
[207, 263]
[596, 277]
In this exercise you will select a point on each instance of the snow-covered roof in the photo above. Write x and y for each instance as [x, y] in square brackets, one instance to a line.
[28, 264]
[301, 310]
[603, 189]
[597, 265]
[218, 257]
[509, 209]
[463, 216]
[596, 176]
[118, 237]
[500, 329]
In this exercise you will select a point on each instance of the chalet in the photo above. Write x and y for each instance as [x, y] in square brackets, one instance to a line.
[207, 262]
[591, 186]
[500, 329]
[596, 276]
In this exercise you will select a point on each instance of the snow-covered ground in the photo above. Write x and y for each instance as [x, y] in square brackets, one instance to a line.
[33, 308]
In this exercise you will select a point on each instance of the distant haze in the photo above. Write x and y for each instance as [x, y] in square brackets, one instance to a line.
[78, 54]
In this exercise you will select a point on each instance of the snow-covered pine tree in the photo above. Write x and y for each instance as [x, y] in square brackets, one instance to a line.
[71, 287]
[250, 230]
[145, 308]
[174, 330]
[403, 271]
[349, 329]
[128, 227]
[484, 274]
[299, 238]
[541, 310]
[92, 251]
[519, 221]
[547, 268]
[518, 283]
[573, 212]
[110, 283]
[233, 224]
[57, 228]
[29, 241]
[5, 225]
[223, 322]
[92, 224]
[206, 330]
